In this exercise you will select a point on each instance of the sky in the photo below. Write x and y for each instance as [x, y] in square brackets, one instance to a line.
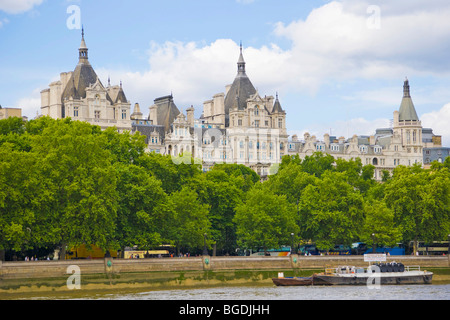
[338, 66]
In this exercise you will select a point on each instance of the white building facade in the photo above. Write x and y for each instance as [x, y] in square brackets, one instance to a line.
[80, 95]
[237, 126]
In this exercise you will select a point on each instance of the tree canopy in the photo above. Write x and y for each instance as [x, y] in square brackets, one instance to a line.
[65, 183]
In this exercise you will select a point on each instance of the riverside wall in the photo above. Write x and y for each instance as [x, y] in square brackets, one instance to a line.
[60, 269]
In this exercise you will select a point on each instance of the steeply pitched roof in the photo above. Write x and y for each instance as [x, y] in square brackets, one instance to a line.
[241, 89]
[82, 77]
[167, 111]
[407, 109]
[121, 95]
[277, 106]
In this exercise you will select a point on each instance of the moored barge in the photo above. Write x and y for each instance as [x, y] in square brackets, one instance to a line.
[377, 274]
[382, 274]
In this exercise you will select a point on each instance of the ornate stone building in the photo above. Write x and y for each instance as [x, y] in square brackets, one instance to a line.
[237, 126]
[80, 95]
[402, 144]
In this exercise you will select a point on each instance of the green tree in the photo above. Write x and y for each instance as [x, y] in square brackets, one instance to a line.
[224, 192]
[379, 220]
[331, 211]
[12, 125]
[190, 222]
[20, 197]
[143, 216]
[318, 164]
[290, 181]
[173, 176]
[80, 183]
[420, 201]
[359, 176]
[265, 220]
[125, 147]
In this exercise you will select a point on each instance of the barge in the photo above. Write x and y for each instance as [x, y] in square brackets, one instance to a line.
[382, 274]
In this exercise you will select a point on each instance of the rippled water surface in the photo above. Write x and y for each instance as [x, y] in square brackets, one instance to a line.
[413, 292]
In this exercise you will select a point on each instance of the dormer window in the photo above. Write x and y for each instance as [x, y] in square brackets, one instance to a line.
[363, 149]
[334, 147]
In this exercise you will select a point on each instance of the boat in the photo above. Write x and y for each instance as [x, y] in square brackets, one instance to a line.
[385, 273]
[291, 282]
[380, 273]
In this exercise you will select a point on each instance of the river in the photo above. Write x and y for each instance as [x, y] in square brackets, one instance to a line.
[404, 292]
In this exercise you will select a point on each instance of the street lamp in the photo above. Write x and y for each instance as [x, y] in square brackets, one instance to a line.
[449, 246]
[292, 248]
[205, 250]
[373, 243]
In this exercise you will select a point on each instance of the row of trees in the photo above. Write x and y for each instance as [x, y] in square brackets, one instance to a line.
[66, 183]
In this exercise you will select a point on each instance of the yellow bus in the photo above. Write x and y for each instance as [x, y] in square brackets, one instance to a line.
[164, 251]
[84, 252]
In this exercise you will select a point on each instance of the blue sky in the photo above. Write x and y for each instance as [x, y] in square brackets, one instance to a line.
[338, 66]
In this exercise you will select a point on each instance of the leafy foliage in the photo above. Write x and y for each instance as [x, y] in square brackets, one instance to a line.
[67, 183]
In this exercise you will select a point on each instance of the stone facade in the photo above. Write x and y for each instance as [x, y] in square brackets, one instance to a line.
[6, 113]
[402, 144]
[81, 96]
[236, 126]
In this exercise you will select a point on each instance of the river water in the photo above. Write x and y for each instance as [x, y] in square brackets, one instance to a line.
[404, 292]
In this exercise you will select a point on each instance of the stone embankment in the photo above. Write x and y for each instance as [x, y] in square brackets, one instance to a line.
[54, 269]
[163, 273]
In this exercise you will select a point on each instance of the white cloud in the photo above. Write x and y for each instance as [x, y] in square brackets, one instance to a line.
[335, 41]
[347, 129]
[18, 6]
[439, 122]
[31, 106]
[3, 22]
[332, 44]
[194, 74]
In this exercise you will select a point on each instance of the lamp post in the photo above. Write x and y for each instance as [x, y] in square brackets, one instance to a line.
[373, 243]
[292, 248]
[205, 250]
[448, 246]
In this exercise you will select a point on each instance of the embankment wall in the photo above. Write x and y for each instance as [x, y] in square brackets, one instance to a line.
[55, 269]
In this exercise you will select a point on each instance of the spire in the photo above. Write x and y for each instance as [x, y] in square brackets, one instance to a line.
[83, 50]
[241, 62]
[277, 106]
[407, 109]
[406, 89]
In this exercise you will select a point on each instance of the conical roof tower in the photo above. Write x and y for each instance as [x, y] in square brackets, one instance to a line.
[407, 109]
[241, 89]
